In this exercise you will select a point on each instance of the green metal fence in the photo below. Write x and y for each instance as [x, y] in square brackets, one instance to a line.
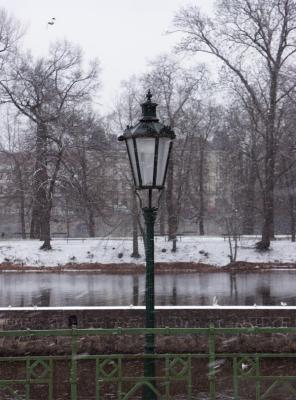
[208, 374]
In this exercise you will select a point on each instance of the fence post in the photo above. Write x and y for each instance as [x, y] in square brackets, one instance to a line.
[257, 365]
[235, 378]
[212, 359]
[73, 365]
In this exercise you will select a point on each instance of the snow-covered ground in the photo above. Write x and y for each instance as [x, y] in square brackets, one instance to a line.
[210, 250]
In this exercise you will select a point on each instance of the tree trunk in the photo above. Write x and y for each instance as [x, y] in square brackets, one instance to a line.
[293, 221]
[270, 152]
[201, 192]
[268, 200]
[47, 205]
[143, 233]
[91, 225]
[67, 221]
[34, 226]
[267, 231]
[171, 206]
[21, 196]
[40, 181]
[162, 214]
[22, 215]
[43, 188]
[249, 209]
[135, 253]
[45, 228]
[291, 196]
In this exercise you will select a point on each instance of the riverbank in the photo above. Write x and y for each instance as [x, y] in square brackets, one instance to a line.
[160, 268]
[194, 253]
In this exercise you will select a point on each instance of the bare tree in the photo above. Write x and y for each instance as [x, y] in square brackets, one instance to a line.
[285, 193]
[11, 32]
[232, 232]
[85, 169]
[245, 153]
[200, 123]
[45, 90]
[173, 87]
[16, 155]
[127, 112]
[255, 41]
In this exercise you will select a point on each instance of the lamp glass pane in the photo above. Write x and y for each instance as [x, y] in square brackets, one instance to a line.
[131, 151]
[163, 153]
[146, 150]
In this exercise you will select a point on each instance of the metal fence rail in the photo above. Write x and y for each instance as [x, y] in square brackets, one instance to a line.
[205, 375]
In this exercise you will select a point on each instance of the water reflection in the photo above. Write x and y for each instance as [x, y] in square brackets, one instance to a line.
[233, 287]
[135, 301]
[86, 289]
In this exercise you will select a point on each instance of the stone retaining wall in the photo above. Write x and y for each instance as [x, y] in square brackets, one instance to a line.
[179, 318]
[134, 317]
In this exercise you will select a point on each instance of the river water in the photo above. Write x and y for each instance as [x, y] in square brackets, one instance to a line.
[91, 289]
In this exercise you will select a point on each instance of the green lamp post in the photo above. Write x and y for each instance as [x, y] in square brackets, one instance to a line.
[149, 144]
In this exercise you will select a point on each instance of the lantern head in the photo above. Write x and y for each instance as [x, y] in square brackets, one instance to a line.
[149, 144]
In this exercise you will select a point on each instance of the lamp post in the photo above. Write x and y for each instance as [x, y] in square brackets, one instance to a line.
[149, 144]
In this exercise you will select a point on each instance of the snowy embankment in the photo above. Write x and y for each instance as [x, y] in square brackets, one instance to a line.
[208, 250]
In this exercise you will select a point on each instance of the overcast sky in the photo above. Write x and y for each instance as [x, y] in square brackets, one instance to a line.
[122, 34]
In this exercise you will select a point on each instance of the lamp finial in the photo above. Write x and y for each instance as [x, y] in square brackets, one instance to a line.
[149, 95]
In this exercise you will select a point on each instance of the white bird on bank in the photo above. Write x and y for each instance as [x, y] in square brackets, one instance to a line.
[215, 301]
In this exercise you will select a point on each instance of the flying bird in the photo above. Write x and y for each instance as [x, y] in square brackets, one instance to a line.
[51, 22]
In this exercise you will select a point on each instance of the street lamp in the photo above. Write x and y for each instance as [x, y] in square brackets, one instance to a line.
[149, 144]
